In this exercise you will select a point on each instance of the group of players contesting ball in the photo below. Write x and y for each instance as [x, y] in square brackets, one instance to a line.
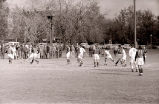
[137, 56]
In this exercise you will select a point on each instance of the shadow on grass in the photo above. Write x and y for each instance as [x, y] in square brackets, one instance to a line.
[112, 70]
[114, 73]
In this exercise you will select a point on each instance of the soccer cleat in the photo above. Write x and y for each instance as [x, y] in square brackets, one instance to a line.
[105, 64]
[140, 74]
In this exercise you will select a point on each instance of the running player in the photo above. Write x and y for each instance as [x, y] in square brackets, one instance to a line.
[132, 53]
[108, 55]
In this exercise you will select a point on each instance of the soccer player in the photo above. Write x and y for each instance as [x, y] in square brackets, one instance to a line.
[115, 50]
[68, 54]
[145, 52]
[108, 55]
[34, 55]
[132, 53]
[10, 54]
[140, 59]
[80, 55]
[96, 56]
[119, 55]
[123, 60]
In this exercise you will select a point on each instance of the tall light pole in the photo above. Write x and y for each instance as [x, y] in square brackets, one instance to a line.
[151, 40]
[50, 18]
[135, 42]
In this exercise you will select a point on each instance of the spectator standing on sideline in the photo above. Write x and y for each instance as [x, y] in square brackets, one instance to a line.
[2, 51]
[47, 51]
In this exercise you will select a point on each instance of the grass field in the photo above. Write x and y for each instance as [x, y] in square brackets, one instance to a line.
[54, 82]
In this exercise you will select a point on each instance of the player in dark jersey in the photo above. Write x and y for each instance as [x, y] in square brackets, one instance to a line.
[139, 58]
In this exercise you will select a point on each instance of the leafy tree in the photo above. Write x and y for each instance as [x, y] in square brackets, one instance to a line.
[4, 10]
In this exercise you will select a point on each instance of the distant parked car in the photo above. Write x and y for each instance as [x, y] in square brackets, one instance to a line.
[85, 45]
[42, 44]
[13, 43]
[126, 46]
[115, 45]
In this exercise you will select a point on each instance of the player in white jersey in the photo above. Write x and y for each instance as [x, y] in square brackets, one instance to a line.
[96, 56]
[68, 54]
[132, 53]
[81, 54]
[108, 55]
[14, 52]
[10, 54]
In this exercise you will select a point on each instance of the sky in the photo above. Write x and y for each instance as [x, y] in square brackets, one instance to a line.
[109, 7]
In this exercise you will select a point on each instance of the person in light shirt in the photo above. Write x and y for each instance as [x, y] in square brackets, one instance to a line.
[14, 52]
[96, 56]
[81, 55]
[132, 53]
[108, 55]
[68, 54]
[123, 60]
[10, 54]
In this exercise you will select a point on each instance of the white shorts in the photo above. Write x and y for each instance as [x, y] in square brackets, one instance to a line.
[68, 55]
[109, 57]
[140, 61]
[34, 55]
[11, 56]
[96, 57]
[80, 56]
[124, 58]
[132, 60]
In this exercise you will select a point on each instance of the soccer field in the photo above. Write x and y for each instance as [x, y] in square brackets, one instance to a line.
[54, 82]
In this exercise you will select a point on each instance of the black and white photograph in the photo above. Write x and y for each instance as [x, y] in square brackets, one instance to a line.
[79, 51]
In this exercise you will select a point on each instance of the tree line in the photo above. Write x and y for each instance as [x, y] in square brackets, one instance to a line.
[77, 22]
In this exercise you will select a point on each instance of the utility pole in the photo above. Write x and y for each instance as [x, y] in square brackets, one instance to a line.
[50, 18]
[151, 40]
[135, 42]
